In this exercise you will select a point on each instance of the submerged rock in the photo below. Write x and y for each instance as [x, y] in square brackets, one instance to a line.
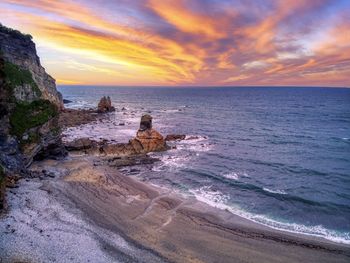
[105, 105]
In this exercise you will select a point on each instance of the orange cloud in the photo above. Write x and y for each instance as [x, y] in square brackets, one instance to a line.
[177, 14]
[178, 42]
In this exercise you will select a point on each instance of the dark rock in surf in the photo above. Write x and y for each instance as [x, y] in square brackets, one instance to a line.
[66, 101]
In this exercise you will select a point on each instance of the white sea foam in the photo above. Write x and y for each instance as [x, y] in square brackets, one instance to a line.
[217, 199]
[235, 175]
[274, 191]
[195, 143]
[231, 175]
[212, 197]
[171, 162]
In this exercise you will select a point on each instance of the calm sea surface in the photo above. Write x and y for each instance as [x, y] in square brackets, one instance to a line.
[277, 156]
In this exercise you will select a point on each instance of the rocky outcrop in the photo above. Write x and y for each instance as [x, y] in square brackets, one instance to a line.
[27, 77]
[73, 117]
[81, 144]
[29, 105]
[175, 137]
[105, 105]
[147, 140]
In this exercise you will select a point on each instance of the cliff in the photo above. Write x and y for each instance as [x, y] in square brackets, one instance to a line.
[23, 68]
[29, 106]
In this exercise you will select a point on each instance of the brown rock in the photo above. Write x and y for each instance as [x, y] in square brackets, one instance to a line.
[72, 117]
[151, 140]
[146, 140]
[175, 137]
[80, 144]
[105, 105]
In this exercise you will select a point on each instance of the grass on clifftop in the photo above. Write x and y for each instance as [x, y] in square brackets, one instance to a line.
[16, 76]
[30, 115]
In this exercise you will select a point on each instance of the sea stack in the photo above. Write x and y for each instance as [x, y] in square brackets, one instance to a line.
[149, 139]
[105, 105]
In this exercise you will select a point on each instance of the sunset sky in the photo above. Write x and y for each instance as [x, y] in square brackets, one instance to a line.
[193, 42]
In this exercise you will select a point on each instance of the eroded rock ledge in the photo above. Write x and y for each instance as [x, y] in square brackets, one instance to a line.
[147, 140]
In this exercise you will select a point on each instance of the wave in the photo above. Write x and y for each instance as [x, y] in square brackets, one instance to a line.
[170, 162]
[234, 175]
[217, 199]
[274, 191]
[195, 143]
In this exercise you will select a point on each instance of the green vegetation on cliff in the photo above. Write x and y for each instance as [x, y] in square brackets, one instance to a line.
[15, 76]
[30, 115]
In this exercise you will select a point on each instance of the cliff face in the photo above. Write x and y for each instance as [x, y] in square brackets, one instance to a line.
[29, 106]
[19, 53]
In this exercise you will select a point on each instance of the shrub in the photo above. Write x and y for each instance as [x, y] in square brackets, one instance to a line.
[29, 115]
[15, 76]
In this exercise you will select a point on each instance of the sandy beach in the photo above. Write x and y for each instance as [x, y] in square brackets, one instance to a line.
[102, 215]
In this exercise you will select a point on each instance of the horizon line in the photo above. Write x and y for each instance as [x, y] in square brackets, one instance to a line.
[201, 86]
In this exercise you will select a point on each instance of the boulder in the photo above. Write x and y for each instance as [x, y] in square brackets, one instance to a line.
[80, 144]
[105, 105]
[150, 140]
[175, 137]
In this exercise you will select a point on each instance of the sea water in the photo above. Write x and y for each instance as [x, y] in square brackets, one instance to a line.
[275, 155]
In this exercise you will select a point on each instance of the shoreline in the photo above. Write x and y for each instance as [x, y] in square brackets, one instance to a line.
[170, 227]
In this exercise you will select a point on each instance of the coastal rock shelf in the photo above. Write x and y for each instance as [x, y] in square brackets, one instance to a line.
[147, 140]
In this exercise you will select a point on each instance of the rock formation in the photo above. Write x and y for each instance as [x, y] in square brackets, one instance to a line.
[105, 105]
[29, 105]
[175, 137]
[147, 140]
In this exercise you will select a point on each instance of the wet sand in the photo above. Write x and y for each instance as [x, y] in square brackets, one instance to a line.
[155, 224]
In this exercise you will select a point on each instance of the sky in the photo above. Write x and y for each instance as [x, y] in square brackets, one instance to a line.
[188, 42]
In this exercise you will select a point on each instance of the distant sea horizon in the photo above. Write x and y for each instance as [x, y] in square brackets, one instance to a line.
[198, 86]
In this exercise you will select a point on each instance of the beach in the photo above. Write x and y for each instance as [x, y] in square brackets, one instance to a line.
[105, 216]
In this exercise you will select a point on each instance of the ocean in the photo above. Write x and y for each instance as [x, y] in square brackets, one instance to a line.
[279, 156]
